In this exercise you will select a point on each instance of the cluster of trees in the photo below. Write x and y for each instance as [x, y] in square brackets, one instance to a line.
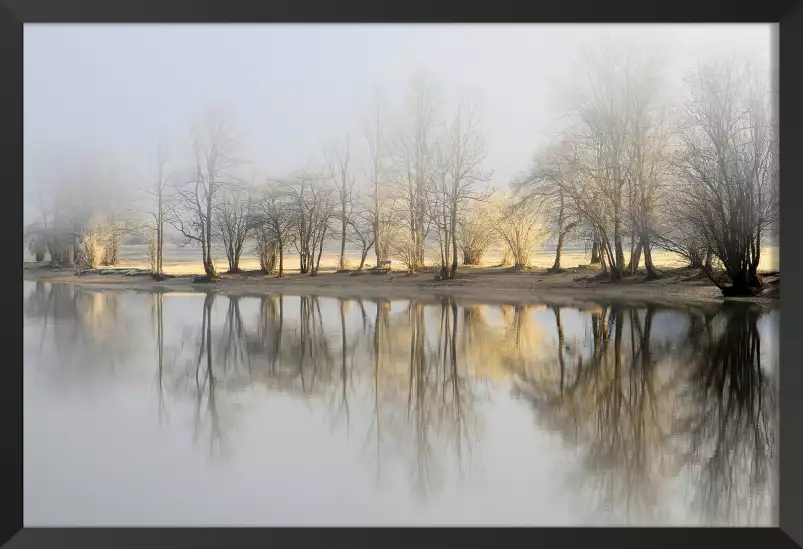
[418, 180]
[630, 170]
[700, 181]
[82, 221]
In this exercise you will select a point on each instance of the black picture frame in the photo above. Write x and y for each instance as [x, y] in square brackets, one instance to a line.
[789, 13]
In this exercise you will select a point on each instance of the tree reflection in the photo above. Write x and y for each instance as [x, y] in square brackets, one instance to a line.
[206, 384]
[730, 422]
[87, 332]
[632, 402]
[158, 317]
[646, 398]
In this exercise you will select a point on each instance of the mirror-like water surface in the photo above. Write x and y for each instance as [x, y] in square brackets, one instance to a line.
[210, 409]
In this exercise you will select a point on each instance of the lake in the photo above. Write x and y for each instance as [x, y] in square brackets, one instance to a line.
[157, 409]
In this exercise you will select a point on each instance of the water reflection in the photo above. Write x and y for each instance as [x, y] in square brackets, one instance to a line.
[657, 409]
[731, 423]
[642, 410]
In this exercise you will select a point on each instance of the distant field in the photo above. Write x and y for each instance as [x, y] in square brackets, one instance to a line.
[187, 260]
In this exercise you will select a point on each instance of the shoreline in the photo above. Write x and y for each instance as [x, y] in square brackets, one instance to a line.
[677, 286]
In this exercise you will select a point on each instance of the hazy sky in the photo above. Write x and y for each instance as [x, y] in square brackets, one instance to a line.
[109, 92]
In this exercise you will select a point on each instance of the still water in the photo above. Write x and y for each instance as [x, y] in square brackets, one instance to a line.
[210, 409]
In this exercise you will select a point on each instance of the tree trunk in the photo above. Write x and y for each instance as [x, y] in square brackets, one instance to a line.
[68, 255]
[342, 263]
[230, 259]
[695, 259]
[320, 253]
[708, 259]
[595, 255]
[645, 245]
[635, 258]
[755, 258]
[742, 285]
[267, 260]
[281, 258]
[237, 253]
[377, 248]
[619, 259]
[209, 267]
[362, 258]
[632, 266]
[558, 250]
[453, 272]
[505, 255]
[159, 234]
[614, 259]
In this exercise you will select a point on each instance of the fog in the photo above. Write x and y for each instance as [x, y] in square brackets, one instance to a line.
[105, 95]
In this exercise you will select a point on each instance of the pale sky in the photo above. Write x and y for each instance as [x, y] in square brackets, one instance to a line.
[109, 92]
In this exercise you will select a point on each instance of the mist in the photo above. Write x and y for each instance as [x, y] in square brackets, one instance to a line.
[105, 95]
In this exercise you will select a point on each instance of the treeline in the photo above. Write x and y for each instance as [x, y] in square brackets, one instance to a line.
[699, 179]
[630, 172]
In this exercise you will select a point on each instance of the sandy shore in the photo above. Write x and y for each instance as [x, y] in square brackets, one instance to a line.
[487, 284]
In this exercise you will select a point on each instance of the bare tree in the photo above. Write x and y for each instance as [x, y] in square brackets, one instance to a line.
[647, 166]
[233, 224]
[337, 161]
[272, 219]
[312, 206]
[37, 245]
[439, 206]
[191, 213]
[158, 192]
[267, 249]
[616, 152]
[39, 235]
[404, 248]
[547, 184]
[376, 140]
[671, 233]
[728, 169]
[467, 149]
[363, 233]
[115, 225]
[519, 226]
[475, 232]
[413, 163]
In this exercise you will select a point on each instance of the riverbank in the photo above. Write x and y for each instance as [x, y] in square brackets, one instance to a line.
[488, 284]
